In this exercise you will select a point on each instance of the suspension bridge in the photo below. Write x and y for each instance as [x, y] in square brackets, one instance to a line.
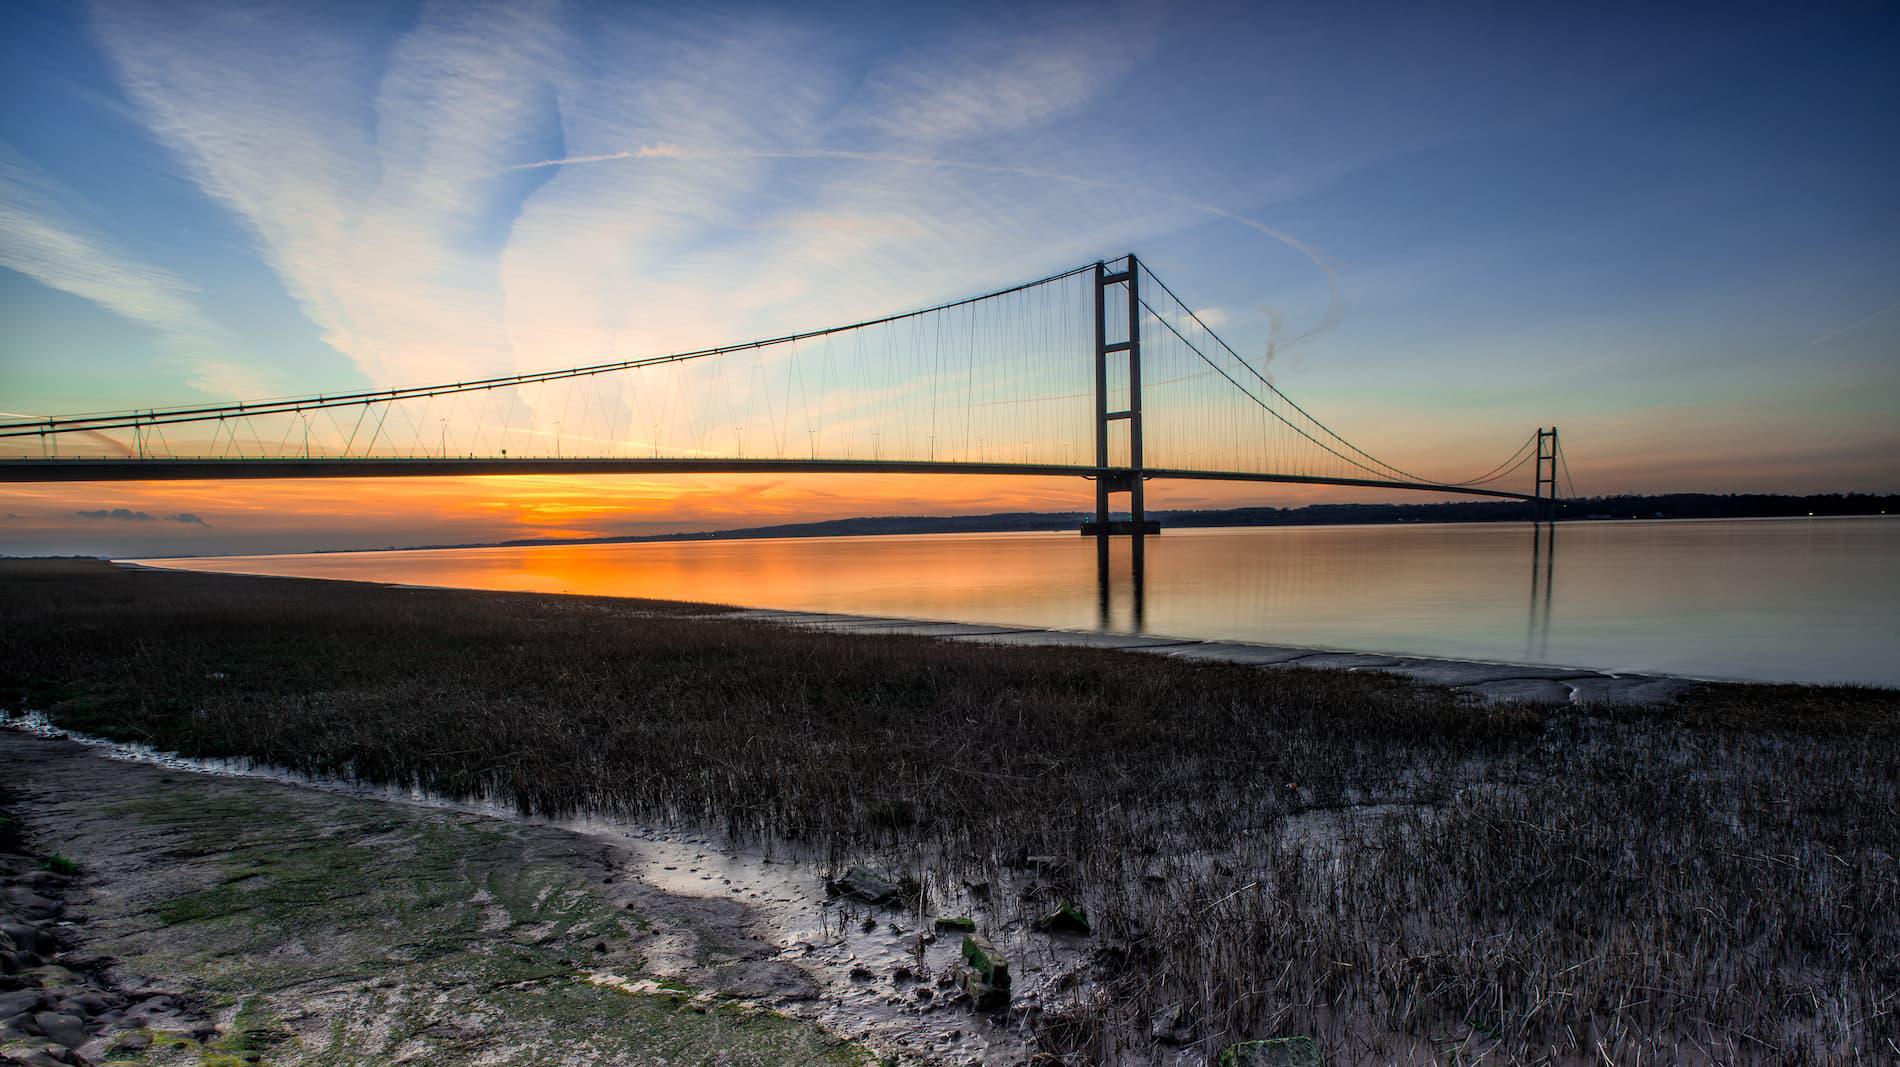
[1099, 372]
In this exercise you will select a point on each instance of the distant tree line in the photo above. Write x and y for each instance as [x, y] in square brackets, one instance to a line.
[1628, 506]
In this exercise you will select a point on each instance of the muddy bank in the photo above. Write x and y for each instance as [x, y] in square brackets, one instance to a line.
[1511, 683]
[221, 921]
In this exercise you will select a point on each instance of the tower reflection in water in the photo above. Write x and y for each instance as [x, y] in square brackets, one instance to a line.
[1122, 607]
[1543, 563]
[1108, 618]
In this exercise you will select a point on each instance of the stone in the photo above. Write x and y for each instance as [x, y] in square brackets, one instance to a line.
[983, 996]
[958, 923]
[132, 1041]
[983, 957]
[85, 1005]
[1272, 1052]
[864, 885]
[984, 974]
[50, 1056]
[29, 904]
[22, 1002]
[1066, 919]
[68, 1030]
[29, 938]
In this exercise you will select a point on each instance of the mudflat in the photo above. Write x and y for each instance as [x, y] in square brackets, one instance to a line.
[220, 921]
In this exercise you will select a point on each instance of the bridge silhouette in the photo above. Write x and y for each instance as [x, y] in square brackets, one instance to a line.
[1099, 372]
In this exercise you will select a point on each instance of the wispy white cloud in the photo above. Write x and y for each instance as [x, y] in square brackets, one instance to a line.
[48, 237]
[992, 80]
[426, 197]
[48, 242]
[357, 166]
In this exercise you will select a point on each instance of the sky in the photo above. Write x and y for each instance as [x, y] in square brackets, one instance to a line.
[1671, 230]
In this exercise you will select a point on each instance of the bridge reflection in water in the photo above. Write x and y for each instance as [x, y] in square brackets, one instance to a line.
[1122, 607]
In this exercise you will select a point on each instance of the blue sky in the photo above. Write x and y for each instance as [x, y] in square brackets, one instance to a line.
[1672, 230]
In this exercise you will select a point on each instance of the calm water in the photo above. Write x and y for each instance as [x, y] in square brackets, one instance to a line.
[1776, 599]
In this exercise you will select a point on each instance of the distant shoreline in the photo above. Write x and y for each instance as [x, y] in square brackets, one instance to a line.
[1668, 506]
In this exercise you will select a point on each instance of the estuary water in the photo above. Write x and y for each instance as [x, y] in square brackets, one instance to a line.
[1808, 600]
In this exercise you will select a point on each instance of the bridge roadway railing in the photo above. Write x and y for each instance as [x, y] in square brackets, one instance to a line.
[168, 469]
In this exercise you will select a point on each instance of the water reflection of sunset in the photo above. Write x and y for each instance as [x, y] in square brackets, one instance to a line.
[1784, 599]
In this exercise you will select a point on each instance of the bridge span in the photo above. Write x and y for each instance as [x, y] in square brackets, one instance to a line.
[149, 470]
[1098, 372]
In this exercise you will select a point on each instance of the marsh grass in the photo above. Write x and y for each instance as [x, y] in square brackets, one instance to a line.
[1261, 853]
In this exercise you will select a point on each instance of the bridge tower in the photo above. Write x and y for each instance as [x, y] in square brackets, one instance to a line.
[1546, 504]
[1118, 479]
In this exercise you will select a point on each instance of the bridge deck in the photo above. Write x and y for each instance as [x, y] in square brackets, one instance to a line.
[143, 470]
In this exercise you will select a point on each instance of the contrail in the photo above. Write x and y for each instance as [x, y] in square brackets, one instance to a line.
[1856, 324]
[1335, 310]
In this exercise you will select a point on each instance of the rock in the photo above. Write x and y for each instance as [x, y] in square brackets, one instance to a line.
[985, 960]
[68, 1030]
[962, 924]
[860, 884]
[30, 905]
[1066, 919]
[85, 1005]
[132, 1041]
[861, 973]
[1272, 1052]
[22, 1002]
[45, 881]
[984, 974]
[29, 938]
[53, 976]
[50, 1056]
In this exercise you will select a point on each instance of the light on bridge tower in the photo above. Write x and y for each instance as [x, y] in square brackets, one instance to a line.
[1110, 479]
